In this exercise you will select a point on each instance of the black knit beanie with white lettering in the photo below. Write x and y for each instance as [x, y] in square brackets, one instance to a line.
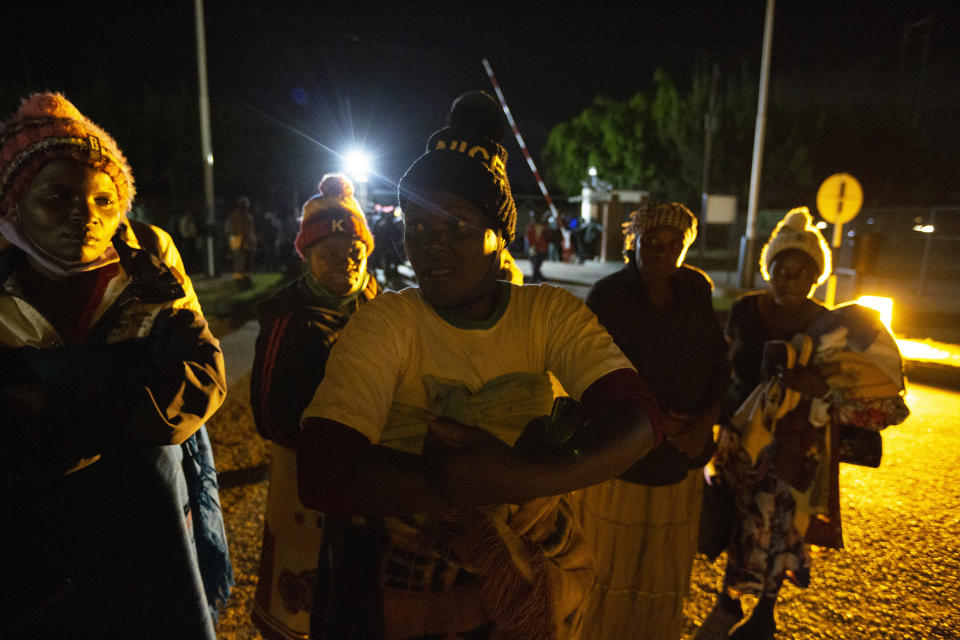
[466, 159]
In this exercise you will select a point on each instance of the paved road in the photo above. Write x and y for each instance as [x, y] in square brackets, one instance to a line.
[899, 576]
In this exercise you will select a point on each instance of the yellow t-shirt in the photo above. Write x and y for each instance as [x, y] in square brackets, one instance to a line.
[397, 357]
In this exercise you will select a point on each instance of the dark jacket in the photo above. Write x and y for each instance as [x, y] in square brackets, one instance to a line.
[680, 353]
[297, 331]
[100, 545]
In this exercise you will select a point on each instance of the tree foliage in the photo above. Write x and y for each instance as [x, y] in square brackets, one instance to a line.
[610, 135]
[667, 132]
[655, 142]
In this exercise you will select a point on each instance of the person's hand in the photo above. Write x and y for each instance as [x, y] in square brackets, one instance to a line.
[809, 380]
[470, 466]
[673, 422]
[691, 440]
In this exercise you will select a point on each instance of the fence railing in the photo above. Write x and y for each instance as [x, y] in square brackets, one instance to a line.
[919, 244]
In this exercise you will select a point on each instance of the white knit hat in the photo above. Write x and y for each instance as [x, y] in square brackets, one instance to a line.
[796, 231]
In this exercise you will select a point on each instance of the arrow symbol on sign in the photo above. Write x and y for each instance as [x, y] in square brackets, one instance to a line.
[843, 185]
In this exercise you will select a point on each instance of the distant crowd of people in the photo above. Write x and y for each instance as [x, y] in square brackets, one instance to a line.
[472, 458]
[550, 236]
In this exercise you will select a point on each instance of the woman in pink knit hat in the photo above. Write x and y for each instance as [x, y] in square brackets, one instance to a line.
[106, 367]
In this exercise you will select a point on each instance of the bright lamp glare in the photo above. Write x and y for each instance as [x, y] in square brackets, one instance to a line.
[883, 305]
[357, 165]
[923, 228]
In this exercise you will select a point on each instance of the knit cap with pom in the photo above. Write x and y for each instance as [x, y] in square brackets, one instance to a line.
[48, 127]
[466, 159]
[333, 210]
[797, 231]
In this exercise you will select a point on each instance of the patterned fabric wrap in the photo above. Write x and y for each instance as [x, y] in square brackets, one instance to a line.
[660, 214]
[534, 556]
[288, 558]
[765, 547]
[782, 466]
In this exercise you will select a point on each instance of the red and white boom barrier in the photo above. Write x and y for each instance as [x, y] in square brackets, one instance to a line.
[516, 132]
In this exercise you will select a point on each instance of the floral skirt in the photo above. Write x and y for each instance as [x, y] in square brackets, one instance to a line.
[765, 547]
[288, 560]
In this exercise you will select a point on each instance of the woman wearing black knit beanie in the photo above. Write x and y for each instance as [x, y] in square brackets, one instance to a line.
[429, 443]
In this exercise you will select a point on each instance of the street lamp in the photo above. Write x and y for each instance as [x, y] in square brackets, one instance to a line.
[357, 165]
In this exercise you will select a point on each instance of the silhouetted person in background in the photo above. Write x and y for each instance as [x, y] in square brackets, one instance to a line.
[538, 241]
[242, 241]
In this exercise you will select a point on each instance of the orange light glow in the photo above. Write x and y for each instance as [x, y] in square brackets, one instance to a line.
[915, 350]
[909, 349]
[883, 305]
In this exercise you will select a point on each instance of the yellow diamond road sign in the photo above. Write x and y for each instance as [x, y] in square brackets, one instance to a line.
[839, 198]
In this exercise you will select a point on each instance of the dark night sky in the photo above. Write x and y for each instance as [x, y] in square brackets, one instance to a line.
[384, 74]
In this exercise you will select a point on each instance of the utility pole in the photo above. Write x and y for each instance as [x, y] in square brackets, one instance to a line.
[923, 64]
[709, 126]
[748, 263]
[206, 144]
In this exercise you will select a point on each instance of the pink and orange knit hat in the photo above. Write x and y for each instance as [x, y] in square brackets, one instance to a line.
[48, 127]
[331, 211]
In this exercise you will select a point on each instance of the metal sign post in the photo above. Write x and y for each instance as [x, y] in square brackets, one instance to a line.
[839, 199]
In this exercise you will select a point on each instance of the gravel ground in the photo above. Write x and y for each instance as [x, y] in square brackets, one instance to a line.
[898, 578]
[240, 455]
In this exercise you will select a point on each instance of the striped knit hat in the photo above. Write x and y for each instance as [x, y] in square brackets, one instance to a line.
[48, 127]
[333, 210]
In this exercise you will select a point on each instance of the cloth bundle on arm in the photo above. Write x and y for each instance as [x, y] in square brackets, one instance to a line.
[866, 389]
